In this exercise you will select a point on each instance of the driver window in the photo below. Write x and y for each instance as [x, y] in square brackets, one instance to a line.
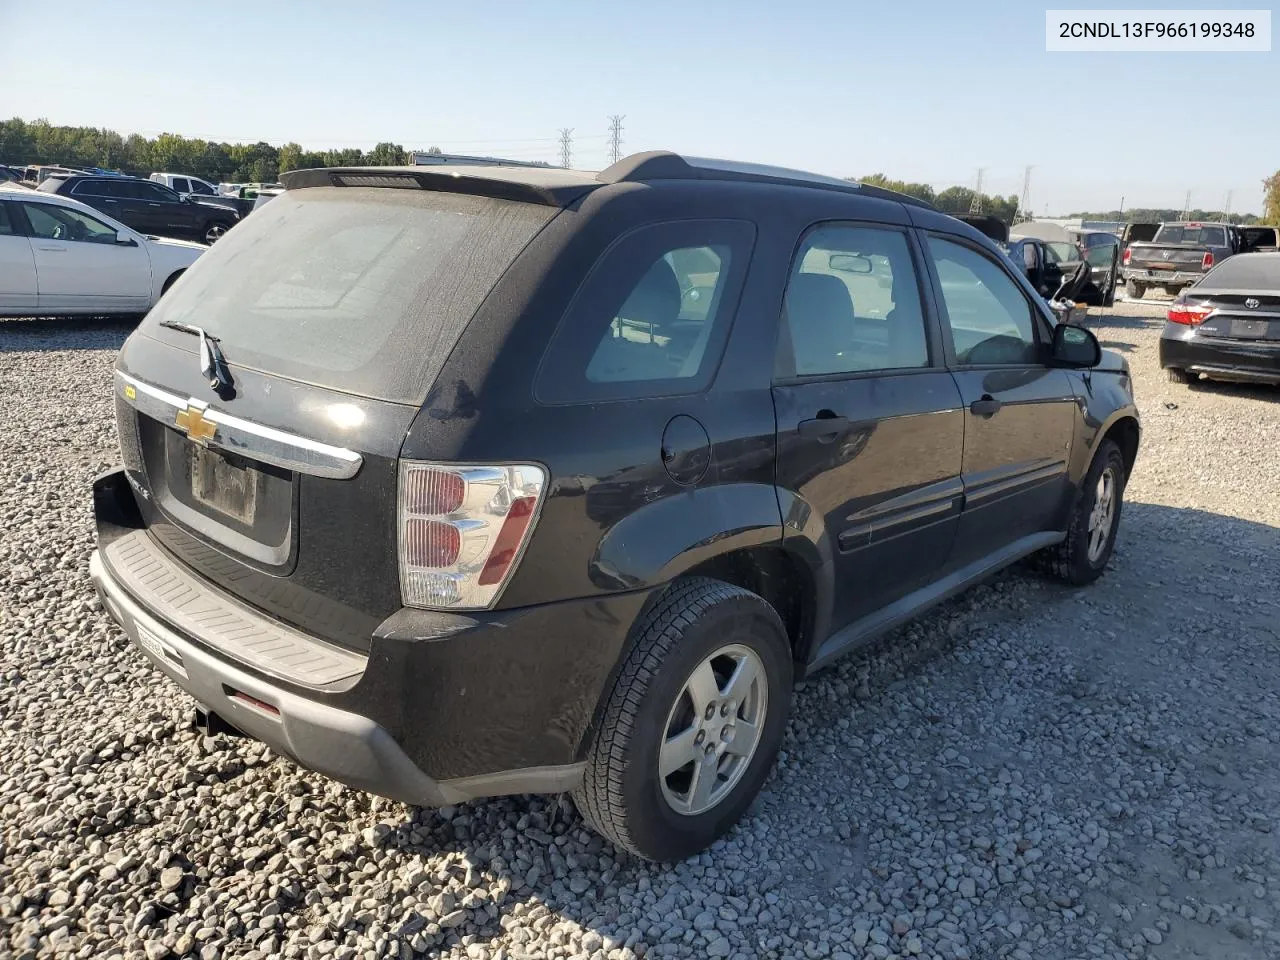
[62, 223]
[990, 319]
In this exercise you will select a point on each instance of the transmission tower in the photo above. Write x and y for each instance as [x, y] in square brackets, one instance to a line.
[566, 147]
[975, 205]
[615, 137]
[1186, 205]
[1025, 203]
[1226, 214]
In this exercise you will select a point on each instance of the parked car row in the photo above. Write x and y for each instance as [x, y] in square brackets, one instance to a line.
[60, 257]
[1180, 254]
[146, 206]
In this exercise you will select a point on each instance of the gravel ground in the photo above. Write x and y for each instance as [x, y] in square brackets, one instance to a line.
[1030, 772]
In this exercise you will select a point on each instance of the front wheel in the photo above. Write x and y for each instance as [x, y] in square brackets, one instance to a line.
[693, 723]
[1083, 555]
[1135, 290]
[215, 231]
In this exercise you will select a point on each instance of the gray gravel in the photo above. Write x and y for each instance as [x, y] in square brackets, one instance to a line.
[1031, 772]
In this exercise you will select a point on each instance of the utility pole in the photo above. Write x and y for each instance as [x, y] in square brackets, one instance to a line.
[615, 137]
[975, 205]
[566, 147]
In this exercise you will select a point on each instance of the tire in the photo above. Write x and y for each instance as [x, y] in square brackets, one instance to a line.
[1074, 560]
[1173, 290]
[1110, 299]
[1177, 375]
[1135, 290]
[214, 231]
[622, 794]
[169, 283]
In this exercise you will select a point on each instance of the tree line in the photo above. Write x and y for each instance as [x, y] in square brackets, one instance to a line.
[959, 199]
[41, 142]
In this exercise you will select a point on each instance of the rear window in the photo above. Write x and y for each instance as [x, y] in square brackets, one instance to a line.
[363, 290]
[1256, 271]
[1206, 236]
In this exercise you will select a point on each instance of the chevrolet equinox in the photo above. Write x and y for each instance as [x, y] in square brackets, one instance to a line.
[458, 483]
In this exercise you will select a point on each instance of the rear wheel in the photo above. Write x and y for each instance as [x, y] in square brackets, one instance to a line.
[1172, 289]
[693, 723]
[215, 231]
[1177, 375]
[1135, 290]
[1083, 555]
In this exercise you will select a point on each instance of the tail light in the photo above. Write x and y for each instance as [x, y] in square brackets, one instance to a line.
[1191, 314]
[1207, 261]
[1127, 254]
[462, 530]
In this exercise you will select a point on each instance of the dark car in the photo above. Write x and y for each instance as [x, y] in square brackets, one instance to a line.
[1101, 250]
[1227, 326]
[451, 483]
[147, 207]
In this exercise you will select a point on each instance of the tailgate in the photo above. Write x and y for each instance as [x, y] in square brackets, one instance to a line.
[1166, 257]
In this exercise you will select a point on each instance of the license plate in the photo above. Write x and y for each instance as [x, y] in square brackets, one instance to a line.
[149, 642]
[222, 486]
[1164, 266]
[1249, 328]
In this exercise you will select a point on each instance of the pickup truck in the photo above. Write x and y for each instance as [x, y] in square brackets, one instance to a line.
[1178, 256]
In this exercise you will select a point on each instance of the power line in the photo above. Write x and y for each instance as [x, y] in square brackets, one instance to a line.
[615, 137]
[566, 147]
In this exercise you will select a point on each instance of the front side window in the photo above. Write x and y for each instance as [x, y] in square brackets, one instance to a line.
[991, 321]
[652, 316]
[202, 188]
[62, 223]
[181, 185]
[7, 229]
[852, 304]
[155, 193]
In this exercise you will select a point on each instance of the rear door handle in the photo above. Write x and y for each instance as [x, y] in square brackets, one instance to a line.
[824, 428]
[985, 407]
[54, 249]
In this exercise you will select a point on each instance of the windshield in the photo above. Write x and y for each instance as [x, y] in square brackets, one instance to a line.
[364, 290]
[1181, 233]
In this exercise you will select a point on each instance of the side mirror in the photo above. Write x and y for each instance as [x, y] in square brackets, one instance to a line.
[125, 240]
[1074, 346]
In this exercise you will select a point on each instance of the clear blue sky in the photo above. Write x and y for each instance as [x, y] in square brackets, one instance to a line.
[927, 91]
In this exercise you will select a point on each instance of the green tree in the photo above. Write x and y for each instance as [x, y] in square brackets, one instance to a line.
[1271, 200]
[291, 157]
[387, 155]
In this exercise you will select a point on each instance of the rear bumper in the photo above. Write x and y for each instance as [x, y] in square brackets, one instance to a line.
[1255, 361]
[1158, 278]
[443, 708]
[337, 743]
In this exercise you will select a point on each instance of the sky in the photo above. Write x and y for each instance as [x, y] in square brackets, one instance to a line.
[920, 91]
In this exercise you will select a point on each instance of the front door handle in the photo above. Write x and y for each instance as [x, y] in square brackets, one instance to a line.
[825, 428]
[53, 249]
[985, 407]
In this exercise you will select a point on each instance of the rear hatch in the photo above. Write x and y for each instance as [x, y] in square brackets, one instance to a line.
[334, 308]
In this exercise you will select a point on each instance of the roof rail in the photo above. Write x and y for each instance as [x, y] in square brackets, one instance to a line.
[664, 165]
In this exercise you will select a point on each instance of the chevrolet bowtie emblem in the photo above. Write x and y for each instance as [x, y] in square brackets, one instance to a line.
[193, 421]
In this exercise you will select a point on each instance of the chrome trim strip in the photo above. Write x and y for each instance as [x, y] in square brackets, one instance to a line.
[256, 440]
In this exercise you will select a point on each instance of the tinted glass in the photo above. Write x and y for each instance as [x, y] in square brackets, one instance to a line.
[1062, 252]
[198, 186]
[154, 192]
[359, 289]
[7, 228]
[652, 316]
[181, 185]
[1100, 256]
[1177, 233]
[1253, 271]
[62, 223]
[852, 304]
[990, 319]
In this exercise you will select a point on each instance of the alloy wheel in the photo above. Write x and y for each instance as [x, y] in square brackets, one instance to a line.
[1102, 514]
[713, 729]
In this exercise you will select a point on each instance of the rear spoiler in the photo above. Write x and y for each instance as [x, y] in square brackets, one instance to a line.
[444, 179]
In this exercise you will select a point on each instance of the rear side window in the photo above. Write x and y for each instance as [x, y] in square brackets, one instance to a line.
[652, 316]
[359, 289]
[181, 185]
[852, 304]
[7, 229]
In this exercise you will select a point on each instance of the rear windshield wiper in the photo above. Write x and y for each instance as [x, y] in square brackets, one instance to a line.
[212, 363]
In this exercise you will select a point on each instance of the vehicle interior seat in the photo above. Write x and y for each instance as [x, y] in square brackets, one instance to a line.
[641, 350]
[820, 318]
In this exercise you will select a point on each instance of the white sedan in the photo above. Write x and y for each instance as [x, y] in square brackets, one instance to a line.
[60, 257]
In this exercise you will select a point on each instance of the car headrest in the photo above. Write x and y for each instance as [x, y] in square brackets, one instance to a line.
[656, 298]
[817, 298]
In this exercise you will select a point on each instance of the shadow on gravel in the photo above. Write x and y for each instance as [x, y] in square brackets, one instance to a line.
[1245, 391]
[34, 334]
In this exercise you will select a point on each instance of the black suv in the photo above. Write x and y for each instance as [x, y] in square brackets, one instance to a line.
[150, 208]
[456, 483]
